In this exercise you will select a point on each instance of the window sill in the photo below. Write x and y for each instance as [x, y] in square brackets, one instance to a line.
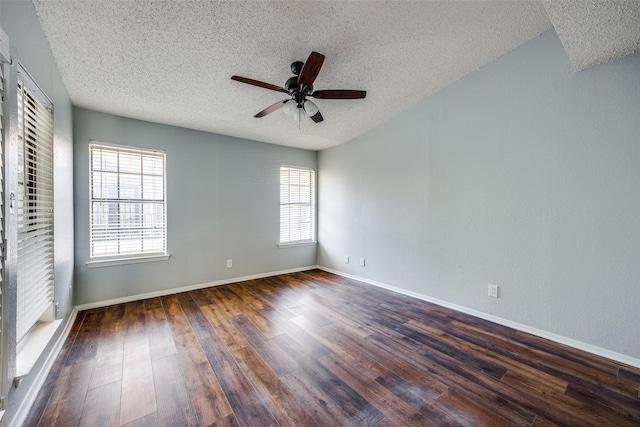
[123, 261]
[33, 346]
[293, 244]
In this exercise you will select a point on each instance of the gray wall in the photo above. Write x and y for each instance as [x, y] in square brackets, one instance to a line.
[29, 47]
[223, 203]
[523, 174]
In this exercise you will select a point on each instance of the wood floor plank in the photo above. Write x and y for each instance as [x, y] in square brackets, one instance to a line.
[375, 361]
[306, 341]
[273, 301]
[150, 420]
[580, 358]
[278, 360]
[206, 394]
[67, 400]
[411, 395]
[316, 376]
[316, 401]
[175, 407]
[267, 327]
[617, 409]
[110, 348]
[570, 404]
[135, 318]
[395, 409]
[228, 421]
[434, 409]
[102, 406]
[439, 412]
[276, 322]
[84, 347]
[332, 342]
[109, 362]
[287, 410]
[525, 375]
[553, 365]
[230, 336]
[237, 388]
[456, 377]
[311, 314]
[160, 338]
[244, 291]
[312, 348]
[478, 414]
[559, 413]
[138, 397]
[226, 299]
[541, 422]
[331, 311]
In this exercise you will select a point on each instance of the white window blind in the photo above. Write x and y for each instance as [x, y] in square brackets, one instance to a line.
[297, 204]
[127, 201]
[35, 280]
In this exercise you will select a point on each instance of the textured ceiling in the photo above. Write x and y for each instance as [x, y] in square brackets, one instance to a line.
[594, 31]
[171, 61]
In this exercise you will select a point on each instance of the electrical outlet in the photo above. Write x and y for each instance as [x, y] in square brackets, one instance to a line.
[362, 262]
[229, 263]
[346, 259]
[493, 291]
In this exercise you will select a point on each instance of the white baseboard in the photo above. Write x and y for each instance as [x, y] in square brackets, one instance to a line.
[188, 288]
[41, 376]
[618, 357]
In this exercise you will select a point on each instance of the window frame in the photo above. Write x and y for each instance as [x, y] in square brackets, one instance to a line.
[312, 204]
[127, 257]
[35, 205]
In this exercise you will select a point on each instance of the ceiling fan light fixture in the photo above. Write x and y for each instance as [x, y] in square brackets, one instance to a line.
[310, 107]
[290, 108]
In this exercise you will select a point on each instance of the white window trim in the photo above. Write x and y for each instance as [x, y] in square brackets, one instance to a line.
[297, 243]
[114, 260]
[312, 240]
[96, 263]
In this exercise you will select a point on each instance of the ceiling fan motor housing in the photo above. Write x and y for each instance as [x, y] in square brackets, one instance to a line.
[291, 85]
[296, 67]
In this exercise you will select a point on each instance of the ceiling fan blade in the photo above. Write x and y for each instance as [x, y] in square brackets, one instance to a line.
[258, 83]
[339, 94]
[271, 108]
[310, 69]
[317, 117]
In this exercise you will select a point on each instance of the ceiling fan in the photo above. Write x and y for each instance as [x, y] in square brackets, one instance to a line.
[300, 87]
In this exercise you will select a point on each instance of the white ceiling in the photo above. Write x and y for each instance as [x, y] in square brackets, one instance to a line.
[171, 61]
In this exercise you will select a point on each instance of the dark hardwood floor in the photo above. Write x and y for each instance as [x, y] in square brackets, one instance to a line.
[315, 349]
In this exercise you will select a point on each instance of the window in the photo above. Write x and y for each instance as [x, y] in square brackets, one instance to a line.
[297, 205]
[35, 281]
[128, 208]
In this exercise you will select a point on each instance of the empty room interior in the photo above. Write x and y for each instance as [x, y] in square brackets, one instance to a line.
[320, 213]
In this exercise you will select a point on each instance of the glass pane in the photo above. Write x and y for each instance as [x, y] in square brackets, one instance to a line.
[105, 160]
[130, 163]
[152, 165]
[130, 186]
[105, 185]
[152, 187]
